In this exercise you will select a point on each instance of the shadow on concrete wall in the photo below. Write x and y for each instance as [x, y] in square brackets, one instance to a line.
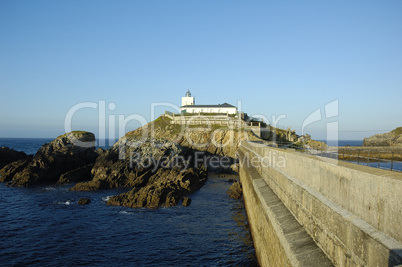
[395, 258]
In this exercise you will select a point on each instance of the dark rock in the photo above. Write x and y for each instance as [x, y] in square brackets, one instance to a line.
[128, 165]
[7, 172]
[159, 171]
[76, 175]
[84, 201]
[67, 152]
[164, 189]
[235, 191]
[92, 185]
[8, 155]
[235, 167]
[186, 201]
[231, 181]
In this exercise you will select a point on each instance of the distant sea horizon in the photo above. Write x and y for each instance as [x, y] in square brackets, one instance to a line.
[343, 142]
[31, 145]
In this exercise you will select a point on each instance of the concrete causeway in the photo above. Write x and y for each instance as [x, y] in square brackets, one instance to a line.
[310, 211]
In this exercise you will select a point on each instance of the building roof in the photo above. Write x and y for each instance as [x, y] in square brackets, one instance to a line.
[224, 105]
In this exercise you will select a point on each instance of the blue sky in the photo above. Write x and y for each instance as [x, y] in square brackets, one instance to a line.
[276, 57]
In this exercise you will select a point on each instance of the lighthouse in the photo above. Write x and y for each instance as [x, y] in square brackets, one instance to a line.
[188, 106]
[187, 100]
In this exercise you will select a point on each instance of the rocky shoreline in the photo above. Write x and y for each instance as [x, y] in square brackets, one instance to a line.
[161, 164]
[53, 161]
[159, 172]
[392, 139]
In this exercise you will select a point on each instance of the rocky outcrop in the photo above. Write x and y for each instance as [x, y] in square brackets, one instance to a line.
[215, 140]
[165, 188]
[77, 175]
[159, 171]
[318, 145]
[235, 167]
[393, 138]
[131, 162]
[235, 191]
[66, 153]
[8, 155]
[219, 143]
[84, 201]
[186, 201]
[7, 172]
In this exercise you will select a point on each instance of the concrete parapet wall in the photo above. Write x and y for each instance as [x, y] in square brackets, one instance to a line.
[207, 120]
[352, 212]
[265, 239]
[256, 130]
[279, 240]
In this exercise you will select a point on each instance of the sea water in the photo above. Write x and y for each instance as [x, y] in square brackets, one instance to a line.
[343, 142]
[44, 225]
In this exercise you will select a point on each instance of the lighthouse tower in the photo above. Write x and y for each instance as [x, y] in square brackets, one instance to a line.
[187, 100]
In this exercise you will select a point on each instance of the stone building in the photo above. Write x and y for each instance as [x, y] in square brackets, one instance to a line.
[188, 106]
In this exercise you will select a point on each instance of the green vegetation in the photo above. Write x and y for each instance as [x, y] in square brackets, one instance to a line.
[75, 133]
[162, 123]
[80, 135]
[80, 132]
[397, 131]
[162, 128]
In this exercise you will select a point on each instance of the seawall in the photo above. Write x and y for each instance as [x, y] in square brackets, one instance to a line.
[310, 211]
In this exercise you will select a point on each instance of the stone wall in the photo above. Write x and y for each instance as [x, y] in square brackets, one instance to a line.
[279, 240]
[353, 213]
[223, 120]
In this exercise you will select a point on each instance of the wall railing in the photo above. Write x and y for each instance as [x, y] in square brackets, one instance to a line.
[383, 158]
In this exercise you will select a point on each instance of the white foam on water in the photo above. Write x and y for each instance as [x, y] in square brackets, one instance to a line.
[106, 199]
[49, 189]
[126, 212]
[68, 202]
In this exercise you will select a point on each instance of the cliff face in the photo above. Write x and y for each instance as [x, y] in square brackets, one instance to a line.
[393, 138]
[216, 140]
[67, 154]
[8, 155]
[161, 173]
[163, 163]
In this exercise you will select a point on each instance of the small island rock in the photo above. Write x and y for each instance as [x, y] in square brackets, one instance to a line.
[235, 191]
[84, 201]
[67, 152]
[8, 155]
[186, 201]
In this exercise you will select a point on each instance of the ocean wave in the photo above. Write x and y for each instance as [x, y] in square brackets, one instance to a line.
[68, 202]
[124, 212]
[106, 199]
[49, 188]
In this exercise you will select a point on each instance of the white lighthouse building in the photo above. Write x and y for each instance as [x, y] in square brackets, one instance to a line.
[188, 106]
[187, 100]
